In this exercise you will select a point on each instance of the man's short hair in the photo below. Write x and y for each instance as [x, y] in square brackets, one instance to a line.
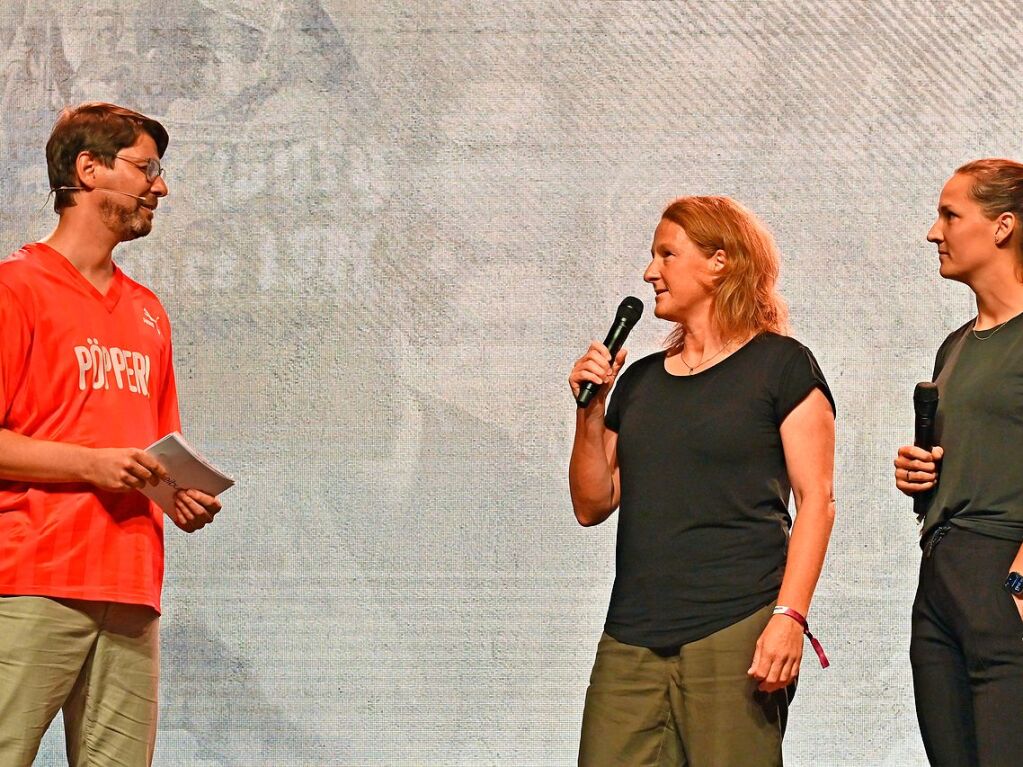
[99, 128]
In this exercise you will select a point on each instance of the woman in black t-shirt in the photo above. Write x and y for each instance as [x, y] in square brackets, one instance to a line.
[967, 623]
[700, 446]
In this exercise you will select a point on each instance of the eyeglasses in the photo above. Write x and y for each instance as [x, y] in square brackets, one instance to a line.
[150, 167]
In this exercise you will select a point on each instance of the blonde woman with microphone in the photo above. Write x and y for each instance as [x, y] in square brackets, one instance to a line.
[700, 446]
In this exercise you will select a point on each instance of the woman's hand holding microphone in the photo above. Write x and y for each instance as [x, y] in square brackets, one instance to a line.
[916, 469]
[595, 367]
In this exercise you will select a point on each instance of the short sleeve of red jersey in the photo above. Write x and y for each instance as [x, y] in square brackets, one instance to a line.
[15, 340]
[167, 401]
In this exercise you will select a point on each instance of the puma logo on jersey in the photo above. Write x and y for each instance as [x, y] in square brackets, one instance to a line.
[150, 320]
[100, 367]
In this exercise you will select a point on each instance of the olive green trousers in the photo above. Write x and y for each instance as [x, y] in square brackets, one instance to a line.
[690, 706]
[98, 661]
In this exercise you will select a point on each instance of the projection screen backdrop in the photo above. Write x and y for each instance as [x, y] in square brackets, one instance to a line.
[391, 229]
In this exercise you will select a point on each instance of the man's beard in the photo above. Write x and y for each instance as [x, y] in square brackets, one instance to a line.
[127, 222]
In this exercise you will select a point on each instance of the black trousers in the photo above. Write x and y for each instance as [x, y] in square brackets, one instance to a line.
[967, 652]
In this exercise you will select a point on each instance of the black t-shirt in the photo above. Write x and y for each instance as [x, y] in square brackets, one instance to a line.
[980, 426]
[703, 524]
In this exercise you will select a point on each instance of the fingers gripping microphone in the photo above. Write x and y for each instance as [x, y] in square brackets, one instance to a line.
[925, 403]
[629, 312]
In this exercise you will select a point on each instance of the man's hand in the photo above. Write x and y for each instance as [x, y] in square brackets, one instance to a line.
[193, 509]
[778, 654]
[121, 469]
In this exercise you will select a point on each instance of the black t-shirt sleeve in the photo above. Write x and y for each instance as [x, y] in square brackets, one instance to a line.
[613, 415]
[942, 356]
[800, 376]
[619, 398]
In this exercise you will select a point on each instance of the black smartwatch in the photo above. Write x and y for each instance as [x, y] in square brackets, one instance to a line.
[1014, 584]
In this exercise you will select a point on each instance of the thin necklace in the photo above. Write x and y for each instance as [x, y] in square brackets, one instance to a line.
[703, 360]
[979, 337]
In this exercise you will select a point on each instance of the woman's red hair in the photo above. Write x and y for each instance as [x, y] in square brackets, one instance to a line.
[745, 299]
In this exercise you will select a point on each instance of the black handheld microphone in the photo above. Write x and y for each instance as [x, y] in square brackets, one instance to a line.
[629, 312]
[925, 403]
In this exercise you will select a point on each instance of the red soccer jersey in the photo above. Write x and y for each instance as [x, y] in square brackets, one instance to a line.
[89, 369]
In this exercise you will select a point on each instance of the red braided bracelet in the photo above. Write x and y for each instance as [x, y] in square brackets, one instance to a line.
[801, 620]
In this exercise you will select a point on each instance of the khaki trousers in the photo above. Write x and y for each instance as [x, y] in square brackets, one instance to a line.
[98, 661]
[692, 706]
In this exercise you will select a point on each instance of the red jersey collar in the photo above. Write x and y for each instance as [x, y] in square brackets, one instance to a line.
[56, 261]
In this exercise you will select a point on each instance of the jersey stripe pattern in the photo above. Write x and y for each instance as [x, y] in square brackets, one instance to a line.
[86, 368]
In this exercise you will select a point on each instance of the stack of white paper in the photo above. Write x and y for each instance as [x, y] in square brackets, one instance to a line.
[187, 470]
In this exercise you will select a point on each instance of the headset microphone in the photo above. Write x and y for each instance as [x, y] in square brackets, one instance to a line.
[99, 188]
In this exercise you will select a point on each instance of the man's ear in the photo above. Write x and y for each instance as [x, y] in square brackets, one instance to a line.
[85, 169]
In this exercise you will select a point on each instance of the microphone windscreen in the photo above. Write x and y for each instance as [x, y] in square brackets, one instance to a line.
[630, 310]
[925, 393]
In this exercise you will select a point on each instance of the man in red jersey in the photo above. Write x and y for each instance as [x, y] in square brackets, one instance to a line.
[86, 382]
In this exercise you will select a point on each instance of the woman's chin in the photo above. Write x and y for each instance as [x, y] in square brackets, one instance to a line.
[663, 312]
